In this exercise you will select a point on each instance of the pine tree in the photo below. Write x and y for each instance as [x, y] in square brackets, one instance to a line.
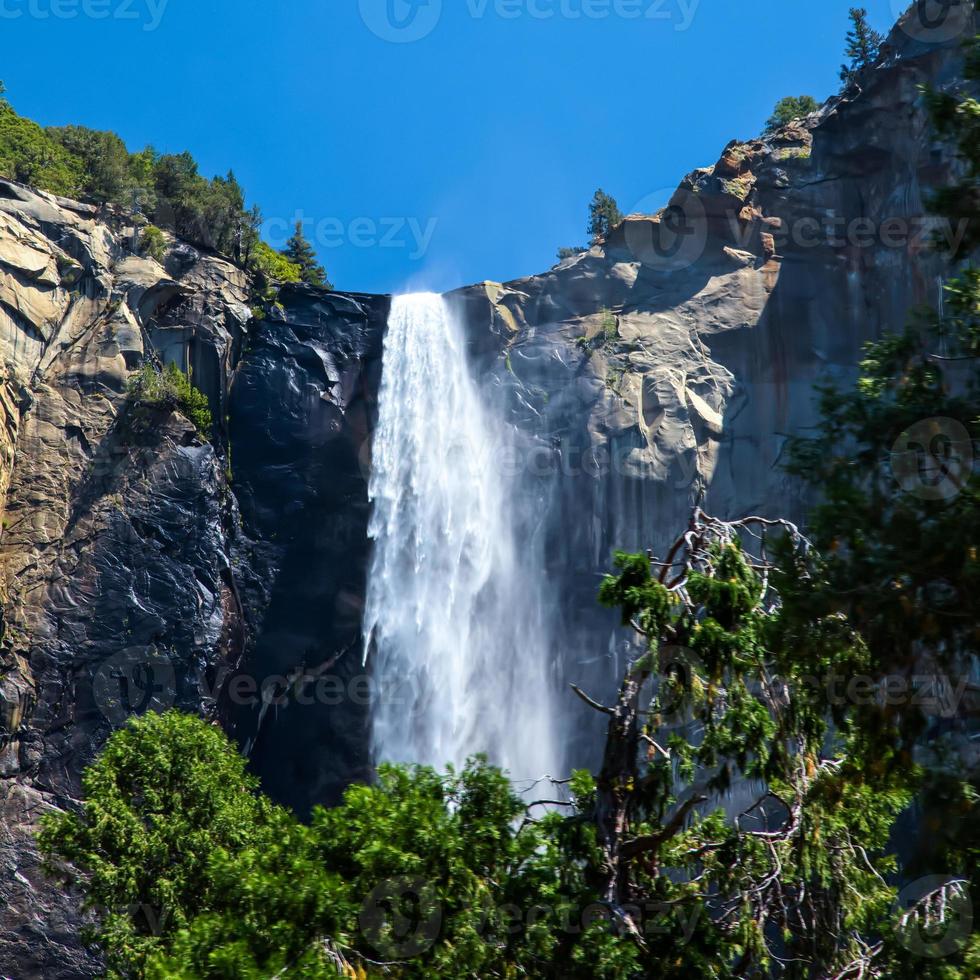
[790, 108]
[863, 45]
[300, 252]
[604, 215]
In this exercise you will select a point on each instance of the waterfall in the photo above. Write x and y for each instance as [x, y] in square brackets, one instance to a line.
[456, 619]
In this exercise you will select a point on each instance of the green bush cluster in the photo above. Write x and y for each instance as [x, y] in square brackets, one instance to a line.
[604, 215]
[274, 266]
[166, 189]
[32, 156]
[153, 243]
[790, 108]
[171, 388]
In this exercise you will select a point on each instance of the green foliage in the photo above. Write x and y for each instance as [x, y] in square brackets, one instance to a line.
[957, 116]
[604, 215]
[790, 108]
[172, 389]
[862, 48]
[898, 524]
[608, 332]
[104, 159]
[166, 801]
[28, 154]
[732, 687]
[715, 721]
[273, 266]
[207, 212]
[299, 252]
[168, 190]
[236, 887]
[153, 243]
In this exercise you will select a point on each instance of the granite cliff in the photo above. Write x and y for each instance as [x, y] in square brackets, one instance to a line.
[142, 566]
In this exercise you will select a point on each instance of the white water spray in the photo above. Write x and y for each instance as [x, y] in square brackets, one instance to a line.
[455, 617]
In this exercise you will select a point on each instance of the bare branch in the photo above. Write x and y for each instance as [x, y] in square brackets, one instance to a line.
[650, 842]
[590, 702]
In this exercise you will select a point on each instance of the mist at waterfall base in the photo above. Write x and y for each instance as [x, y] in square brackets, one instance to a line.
[458, 616]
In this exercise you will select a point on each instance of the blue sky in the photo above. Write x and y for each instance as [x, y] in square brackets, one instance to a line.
[427, 161]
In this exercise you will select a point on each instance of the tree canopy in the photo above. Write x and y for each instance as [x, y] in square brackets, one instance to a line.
[862, 46]
[299, 252]
[604, 215]
[790, 108]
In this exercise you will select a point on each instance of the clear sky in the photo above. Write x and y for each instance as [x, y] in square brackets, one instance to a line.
[428, 143]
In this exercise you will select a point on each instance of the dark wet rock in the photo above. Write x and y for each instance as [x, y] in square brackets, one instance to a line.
[302, 409]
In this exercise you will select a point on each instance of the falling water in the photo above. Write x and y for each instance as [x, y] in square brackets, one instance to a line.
[455, 619]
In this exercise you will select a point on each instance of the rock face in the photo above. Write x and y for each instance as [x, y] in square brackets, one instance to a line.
[115, 574]
[123, 562]
[142, 567]
[668, 364]
[302, 408]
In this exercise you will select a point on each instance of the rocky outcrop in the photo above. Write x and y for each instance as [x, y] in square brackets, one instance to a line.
[669, 363]
[131, 578]
[114, 567]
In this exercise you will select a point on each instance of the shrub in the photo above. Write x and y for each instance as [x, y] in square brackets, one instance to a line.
[31, 156]
[863, 45]
[153, 243]
[273, 266]
[171, 388]
[790, 108]
[604, 215]
[104, 159]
